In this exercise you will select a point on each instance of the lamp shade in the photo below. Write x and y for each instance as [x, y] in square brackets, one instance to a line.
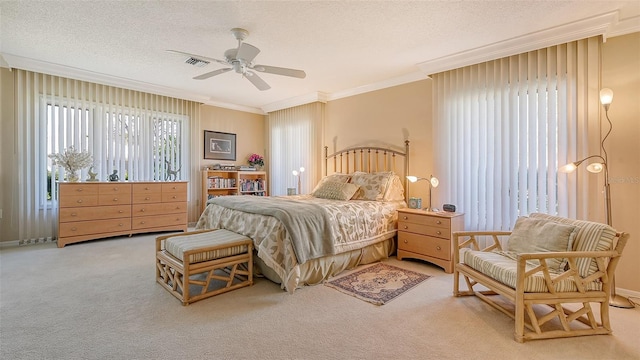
[434, 181]
[412, 178]
[595, 167]
[606, 96]
[569, 168]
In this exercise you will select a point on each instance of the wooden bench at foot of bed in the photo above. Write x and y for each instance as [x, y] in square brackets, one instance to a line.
[201, 260]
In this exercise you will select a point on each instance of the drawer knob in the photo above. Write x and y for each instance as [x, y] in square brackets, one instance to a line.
[146, 198]
[120, 224]
[142, 210]
[120, 211]
[405, 218]
[438, 222]
[80, 189]
[147, 188]
[406, 227]
[174, 188]
[141, 222]
[406, 241]
[438, 248]
[439, 232]
[74, 229]
[174, 196]
[115, 199]
[74, 214]
[80, 201]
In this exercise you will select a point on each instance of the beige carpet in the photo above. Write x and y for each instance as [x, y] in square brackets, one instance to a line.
[99, 300]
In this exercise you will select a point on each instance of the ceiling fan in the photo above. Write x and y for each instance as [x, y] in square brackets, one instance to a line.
[240, 60]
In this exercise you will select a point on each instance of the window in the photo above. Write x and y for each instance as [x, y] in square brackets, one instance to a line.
[137, 145]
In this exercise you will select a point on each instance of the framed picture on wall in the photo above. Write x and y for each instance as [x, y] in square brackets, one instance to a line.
[219, 145]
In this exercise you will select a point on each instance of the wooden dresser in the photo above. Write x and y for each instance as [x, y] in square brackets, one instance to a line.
[428, 236]
[93, 210]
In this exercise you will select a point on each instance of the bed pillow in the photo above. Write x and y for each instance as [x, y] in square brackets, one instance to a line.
[337, 177]
[372, 185]
[539, 235]
[335, 190]
[395, 189]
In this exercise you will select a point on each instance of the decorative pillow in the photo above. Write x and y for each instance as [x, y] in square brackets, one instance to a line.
[373, 185]
[337, 177]
[539, 235]
[335, 190]
[590, 236]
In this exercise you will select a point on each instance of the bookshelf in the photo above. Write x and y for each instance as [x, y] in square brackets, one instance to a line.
[232, 182]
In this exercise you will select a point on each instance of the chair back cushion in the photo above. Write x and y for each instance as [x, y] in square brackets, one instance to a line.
[591, 236]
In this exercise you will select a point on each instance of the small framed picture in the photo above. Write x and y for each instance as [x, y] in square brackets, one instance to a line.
[415, 203]
[219, 145]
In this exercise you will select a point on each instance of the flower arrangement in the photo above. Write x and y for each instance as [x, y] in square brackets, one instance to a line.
[72, 161]
[256, 160]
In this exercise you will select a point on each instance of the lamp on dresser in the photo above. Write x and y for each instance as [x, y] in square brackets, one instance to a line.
[298, 174]
[606, 97]
[433, 182]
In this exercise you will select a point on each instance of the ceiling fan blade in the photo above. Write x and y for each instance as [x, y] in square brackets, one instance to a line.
[198, 57]
[212, 73]
[247, 52]
[257, 81]
[280, 71]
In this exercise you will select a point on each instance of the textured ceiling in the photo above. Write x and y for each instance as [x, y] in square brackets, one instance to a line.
[341, 45]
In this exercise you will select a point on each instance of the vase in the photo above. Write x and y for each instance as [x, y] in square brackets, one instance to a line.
[73, 176]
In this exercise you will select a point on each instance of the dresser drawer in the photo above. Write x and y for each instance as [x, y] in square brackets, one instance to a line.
[146, 197]
[146, 188]
[94, 227]
[424, 245]
[114, 199]
[422, 229]
[180, 187]
[174, 197]
[121, 190]
[70, 189]
[94, 213]
[425, 220]
[78, 201]
[145, 222]
[159, 209]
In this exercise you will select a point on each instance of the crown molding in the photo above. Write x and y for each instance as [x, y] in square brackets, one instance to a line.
[19, 62]
[399, 80]
[317, 96]
[624, 27]
[596, 25]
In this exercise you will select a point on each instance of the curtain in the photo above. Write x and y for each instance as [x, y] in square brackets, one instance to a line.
[137, 135]
[295, 138]
[504, 127]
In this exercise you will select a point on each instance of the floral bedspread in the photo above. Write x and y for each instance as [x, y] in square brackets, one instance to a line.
[354, 224]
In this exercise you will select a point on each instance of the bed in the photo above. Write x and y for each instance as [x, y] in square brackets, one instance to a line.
[348, 219]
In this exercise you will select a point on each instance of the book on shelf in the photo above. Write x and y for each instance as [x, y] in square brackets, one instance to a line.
[246, 168]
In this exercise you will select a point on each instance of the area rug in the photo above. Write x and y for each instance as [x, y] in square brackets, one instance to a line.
[378, 284]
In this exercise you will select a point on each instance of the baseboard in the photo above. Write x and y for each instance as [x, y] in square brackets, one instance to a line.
[15, 243]
[628, 294]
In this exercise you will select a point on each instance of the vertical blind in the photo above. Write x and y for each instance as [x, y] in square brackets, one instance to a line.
[505, 126]
[295, 137]
[139, 136]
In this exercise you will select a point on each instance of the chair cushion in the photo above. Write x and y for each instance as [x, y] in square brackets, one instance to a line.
[178, 245]
[541, 235]
[591, 236]
[504, 270]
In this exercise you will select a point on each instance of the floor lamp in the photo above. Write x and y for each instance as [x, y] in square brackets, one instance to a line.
[606, 96]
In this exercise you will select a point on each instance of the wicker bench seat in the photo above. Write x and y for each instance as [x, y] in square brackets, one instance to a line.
[200, 260]
[546, 263]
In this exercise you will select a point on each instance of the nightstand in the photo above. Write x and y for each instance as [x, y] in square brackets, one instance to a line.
[428, 236]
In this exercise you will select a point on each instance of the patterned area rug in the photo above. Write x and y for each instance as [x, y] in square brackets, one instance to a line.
[378, 284]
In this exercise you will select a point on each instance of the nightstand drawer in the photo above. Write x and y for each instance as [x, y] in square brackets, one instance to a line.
[424, 245]
[424, 219]
[423, 229]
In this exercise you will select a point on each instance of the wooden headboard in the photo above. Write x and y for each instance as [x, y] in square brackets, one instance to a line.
[369, 159]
